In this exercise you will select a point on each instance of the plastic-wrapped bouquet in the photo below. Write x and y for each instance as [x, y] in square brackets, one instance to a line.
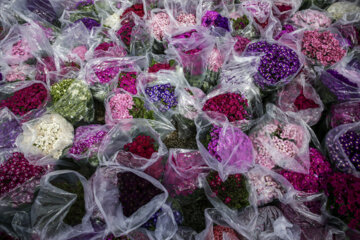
[129, 195]
[301, 98]
[19, 179]
[48, 135]
[322, 47]
[342, 189]
[87, 141]
[73, 100]
[224, 147]
[21, 98]
[342, 113]
[282, 141]
[278, 64]
[343, 147]
[123, 105]
[315, 181]
[311, 18]
[232, 192]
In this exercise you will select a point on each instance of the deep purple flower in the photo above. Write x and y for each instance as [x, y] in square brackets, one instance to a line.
[277, 64]
[89, 22]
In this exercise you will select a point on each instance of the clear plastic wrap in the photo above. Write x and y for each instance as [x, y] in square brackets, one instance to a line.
[163, 224]
[127, 134]
[182, 171]
[281, 140]
[268, 185]
[342, 87]
[192, 47]
[107, 194]
[26, 99]
[311, 18]
[302, 99]
[262, 14]
[344, 11]
[224, 147]
[43, 139]
[283, 9]
[107, 73]
[342, 145]
[217, 227]
[182, 13]
[50, 212]
[342, 113]
[240, 210]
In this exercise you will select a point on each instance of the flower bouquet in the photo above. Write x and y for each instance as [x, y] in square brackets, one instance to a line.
[342, 113]
[48, 135]
[279, 64]
[343, 88]
[24, 99]
[19, 180]
[122, 105]
[322, 47]
[192, 48]
[127, 198]
[311, 18]
[341, 190]
[315, 181]
[87, 141]
[10, 128]
[84, 12]
[182, 171]
[133, 143]
[281, 140]
[268, 186]
[238, 106]
[302, 99]
[72, 99]
[342, 145]
[225, 148]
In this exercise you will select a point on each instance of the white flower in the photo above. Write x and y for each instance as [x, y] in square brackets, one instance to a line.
[48, 135]
[113, 21]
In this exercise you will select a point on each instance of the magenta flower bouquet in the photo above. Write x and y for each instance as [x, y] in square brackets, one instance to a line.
[239, 105]
[24, 98]
[315, 181]
[107, 73]
[343, 202]
[192, 47]
[19, 180]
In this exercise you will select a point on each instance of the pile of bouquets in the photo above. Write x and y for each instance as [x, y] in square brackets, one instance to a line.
[179, 119]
